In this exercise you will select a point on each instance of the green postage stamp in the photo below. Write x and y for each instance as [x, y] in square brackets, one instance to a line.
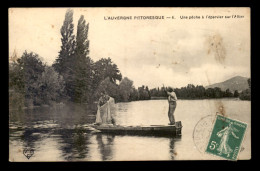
[226, 138]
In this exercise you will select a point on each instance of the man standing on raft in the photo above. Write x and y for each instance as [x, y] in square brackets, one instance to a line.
[172, 99]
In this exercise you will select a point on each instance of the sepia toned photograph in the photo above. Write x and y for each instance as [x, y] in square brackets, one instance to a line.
[129, 84]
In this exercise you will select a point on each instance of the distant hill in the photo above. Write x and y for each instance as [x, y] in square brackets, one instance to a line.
[236, 83]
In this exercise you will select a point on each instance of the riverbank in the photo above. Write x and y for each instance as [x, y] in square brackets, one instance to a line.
[224, 98]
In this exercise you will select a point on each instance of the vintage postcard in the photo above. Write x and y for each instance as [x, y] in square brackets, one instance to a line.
[129, 84]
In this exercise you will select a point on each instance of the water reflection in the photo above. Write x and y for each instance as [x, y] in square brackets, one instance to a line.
[80, 141]
[63, 133]
[171, 148]
[78, 144]
[105, 144]
[73, 143]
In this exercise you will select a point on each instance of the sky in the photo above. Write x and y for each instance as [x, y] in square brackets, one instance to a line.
[174, 52]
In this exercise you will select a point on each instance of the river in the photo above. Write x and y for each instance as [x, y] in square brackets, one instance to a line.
[62, 133]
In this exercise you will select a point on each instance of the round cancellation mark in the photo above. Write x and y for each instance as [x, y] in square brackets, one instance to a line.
[202, 131]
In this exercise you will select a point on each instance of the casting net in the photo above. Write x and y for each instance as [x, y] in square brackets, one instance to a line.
[106, 112]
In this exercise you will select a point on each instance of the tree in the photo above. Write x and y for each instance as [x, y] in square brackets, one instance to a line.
[190, 91]
[246, 94]
[134, 95]
[236, 94]
[82, 42]
[228, 93]
[154, 92]
[210, 93]
[143, 93]
[80, 80]
[105, 68]
[32, 67]
[33, 83]
[50, 85]
[16, 77]
[125, 88]
[109, 87]
[249, 83]
[148, 91]
[24, 76]
[63, 63]
[200, 91]
[217, 92]
[16, 84]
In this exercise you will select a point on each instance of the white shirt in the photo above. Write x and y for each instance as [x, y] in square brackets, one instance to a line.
[172, 96]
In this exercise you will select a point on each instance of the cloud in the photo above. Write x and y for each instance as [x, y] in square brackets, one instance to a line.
[210, 74]
[156, 76]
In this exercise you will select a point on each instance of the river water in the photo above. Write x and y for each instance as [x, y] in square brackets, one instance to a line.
[62, 133]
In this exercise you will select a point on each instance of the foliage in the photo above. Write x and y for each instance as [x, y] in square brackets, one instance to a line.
[16, 99]
[109, 87]
[30, 68]
[228, 93]
[67, 44]
[73, 62]
[246, 94]
[82, 42]
[33, 83]
[124, 92]
[144, 93]
[79, 83]
[249, 83]
[134, 95]
[105, 68]
[194, 92]
[50, 85]
[125, 88]
[64, 63]
[236, 94]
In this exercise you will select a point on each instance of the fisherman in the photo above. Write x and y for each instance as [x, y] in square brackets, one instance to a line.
[172, 99]
[103, 98]
[105, 109]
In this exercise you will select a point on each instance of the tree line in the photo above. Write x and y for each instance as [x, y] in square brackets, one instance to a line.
[199, 92]
[246, 94]
[32, 83]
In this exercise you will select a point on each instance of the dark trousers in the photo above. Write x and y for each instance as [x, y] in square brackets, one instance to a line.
[172, 107]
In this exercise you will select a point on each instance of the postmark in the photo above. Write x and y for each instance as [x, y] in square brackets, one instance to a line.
[202, 132]
[226, 138]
